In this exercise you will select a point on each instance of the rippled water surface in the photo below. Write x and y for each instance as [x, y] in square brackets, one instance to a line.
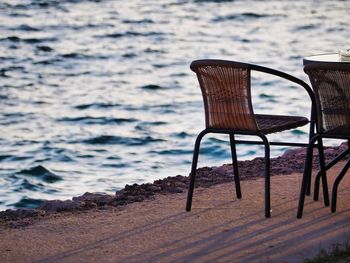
[98, 94]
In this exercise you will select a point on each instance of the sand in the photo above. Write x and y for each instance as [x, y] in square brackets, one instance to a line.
[219, 228]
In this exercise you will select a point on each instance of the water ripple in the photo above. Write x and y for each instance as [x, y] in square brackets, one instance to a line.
[27, 202]
[129, 141]
[28, 40]
[97, 120]
[132, 34]
[42, 173]
[97, 105]
[243, 16]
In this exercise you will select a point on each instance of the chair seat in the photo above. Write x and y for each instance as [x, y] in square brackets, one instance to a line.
[276, 123]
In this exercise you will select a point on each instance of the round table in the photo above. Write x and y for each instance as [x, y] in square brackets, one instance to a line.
[331, 58]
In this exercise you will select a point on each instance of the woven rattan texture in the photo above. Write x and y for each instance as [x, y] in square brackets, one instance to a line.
[226, 94]
[332, 93]
[277, 123]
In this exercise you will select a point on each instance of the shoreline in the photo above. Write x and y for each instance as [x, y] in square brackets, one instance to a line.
[292, 161]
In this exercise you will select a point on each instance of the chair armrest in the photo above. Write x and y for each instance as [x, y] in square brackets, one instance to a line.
[292, 79]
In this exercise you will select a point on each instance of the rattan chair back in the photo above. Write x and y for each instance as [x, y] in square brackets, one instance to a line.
[332, 93]
[226, 94]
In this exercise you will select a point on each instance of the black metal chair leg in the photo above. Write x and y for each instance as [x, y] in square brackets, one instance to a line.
[309, 172]
[306, 176]
[336, 184]
[267, 176]
[308, 183]
[328, 166]
[193, 170]
[311, 135]
[323, 172]
[309, 178]
[235, 166]
[317, 185]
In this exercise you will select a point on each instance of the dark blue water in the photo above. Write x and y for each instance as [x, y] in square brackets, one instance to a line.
[97, 94]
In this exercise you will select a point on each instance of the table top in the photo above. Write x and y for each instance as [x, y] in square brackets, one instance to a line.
[330, 58]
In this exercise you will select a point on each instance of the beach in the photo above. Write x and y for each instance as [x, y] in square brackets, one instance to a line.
[219, 228]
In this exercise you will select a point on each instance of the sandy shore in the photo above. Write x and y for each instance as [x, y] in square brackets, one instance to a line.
[219, 228]
[292, 161]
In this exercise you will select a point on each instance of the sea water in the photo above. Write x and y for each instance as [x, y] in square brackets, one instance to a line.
[98, 94]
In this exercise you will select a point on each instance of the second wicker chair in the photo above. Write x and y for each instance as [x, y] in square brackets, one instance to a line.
[226, 91]
[331, 85]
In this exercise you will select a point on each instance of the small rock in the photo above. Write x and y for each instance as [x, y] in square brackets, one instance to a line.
[222, 170]
[11, 214]
[293, 153]
[58, 205]
[98, 199]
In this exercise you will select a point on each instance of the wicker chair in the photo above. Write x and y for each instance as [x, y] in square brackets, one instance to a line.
[226, 90]
[331, 85]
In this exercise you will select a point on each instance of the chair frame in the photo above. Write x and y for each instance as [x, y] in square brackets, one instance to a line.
[323, 166]
[232, 133]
